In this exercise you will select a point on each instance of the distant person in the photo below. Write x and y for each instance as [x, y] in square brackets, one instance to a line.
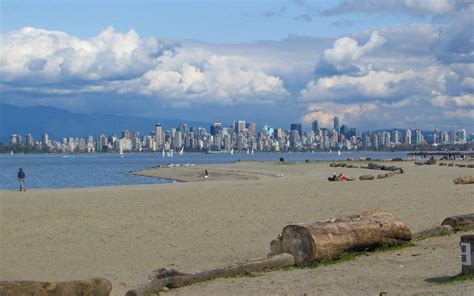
[333, 178]
[206, 174]
[342, 177]
[21, 178]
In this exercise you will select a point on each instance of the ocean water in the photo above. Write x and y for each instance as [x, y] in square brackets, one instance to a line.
[109, 169]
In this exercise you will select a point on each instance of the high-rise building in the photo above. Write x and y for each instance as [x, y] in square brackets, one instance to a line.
[216, 128]
[239, 126]
[45, 140]
[297, 127]
[336, 123]
[251, 128]
[345, 131]
[408, 136]
[126, 134]
[29, 140]
[315, 126]
[419, 139]
[13, 140]
[159, 136]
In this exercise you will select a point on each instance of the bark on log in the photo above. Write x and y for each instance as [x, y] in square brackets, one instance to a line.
[330, 239]
[464, 180]
[252, 266]
[92, 287]
[460, 222]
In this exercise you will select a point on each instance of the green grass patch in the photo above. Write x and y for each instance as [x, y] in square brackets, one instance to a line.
[388, 247]
[458, 278]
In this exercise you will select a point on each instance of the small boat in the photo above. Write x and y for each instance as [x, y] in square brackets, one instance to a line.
[121, 151]
[232, 151]
[163, 153]
[252, 151]
[181, 152]
[11, 152]
[248, 151]
[339, 152]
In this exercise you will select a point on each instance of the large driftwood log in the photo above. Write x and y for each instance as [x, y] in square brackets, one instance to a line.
[433, 231]
[173, 279]
[464, 180]
[460, 222]
[93, 287]
[330, 239]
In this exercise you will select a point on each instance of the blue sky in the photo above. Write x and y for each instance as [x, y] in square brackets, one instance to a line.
[400, 63]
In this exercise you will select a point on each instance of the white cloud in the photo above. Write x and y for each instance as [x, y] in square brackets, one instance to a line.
[345, 53]
[42, 61]
[325, 112]
[35, 56]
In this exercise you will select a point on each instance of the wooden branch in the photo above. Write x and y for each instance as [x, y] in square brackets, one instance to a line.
[181, 280]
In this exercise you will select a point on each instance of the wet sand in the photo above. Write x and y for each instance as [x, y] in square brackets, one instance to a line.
[124, 232]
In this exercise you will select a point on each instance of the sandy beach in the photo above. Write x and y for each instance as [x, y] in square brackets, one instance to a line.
[125, 232]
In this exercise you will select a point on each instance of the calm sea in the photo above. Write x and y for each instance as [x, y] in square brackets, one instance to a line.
[91, 170]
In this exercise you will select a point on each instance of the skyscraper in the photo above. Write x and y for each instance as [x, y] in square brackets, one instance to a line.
[239, 126]
[216, 127]
[315, 126]
[408, 136]
[297, 127]
[45, 140]
[336, 123]
[159, 136]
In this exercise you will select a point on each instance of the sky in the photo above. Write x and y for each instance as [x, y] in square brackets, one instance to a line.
[374, 63]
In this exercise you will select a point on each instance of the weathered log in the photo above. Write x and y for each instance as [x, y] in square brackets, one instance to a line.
[181, 280]
[460, 222]
[450, 164]
[330, 239]
[92, 287]
[366, 177]
[471, 166]
[464, 180]
[433, 231]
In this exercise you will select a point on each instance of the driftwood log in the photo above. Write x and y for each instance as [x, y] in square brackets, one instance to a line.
[460, 222]
[172, 279]
[93, 287]
[330, 239]
[433, 231]
[366, 177]
[464, 180]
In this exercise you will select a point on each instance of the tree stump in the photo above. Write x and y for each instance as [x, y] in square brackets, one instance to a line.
[330, 239]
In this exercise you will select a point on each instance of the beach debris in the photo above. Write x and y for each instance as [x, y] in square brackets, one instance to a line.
[366, 177]
[386, 175]
[310, 242]
[464, 180]
[374, 166]
[460, 222]
[96, 287]
[434, 231]
[163, 278]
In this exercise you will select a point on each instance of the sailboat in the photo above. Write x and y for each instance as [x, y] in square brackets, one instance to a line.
[232, 151]
[11, 152]
[171, 153]
[252, 151]
[181, 152]
[163, 152]
[120, 150]
[339, 152]
[248, 151]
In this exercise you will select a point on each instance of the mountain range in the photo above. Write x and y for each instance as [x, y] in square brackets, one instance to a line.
[60, 123]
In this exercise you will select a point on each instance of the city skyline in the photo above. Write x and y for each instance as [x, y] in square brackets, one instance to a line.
[245, 136]
[373, 64]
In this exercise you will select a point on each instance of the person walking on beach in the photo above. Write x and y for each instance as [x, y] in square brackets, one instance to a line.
[206, 174]
[21, 178]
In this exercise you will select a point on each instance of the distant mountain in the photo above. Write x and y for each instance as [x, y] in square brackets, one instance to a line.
[59, 123]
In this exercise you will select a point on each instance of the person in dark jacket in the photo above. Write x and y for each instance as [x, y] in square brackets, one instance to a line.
[21, 178]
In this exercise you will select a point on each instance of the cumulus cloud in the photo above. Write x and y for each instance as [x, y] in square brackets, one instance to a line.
[35, 56]
[196, 75]
[325, 112]
[53, 62]
[344, 55]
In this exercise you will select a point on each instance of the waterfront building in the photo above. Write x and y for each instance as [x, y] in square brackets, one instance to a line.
[297, 127]
[336, 123]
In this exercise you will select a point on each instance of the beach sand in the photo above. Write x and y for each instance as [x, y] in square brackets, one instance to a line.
[125, 232]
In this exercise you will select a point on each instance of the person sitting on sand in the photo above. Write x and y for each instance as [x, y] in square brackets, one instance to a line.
[333, 178]
[206, 175]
